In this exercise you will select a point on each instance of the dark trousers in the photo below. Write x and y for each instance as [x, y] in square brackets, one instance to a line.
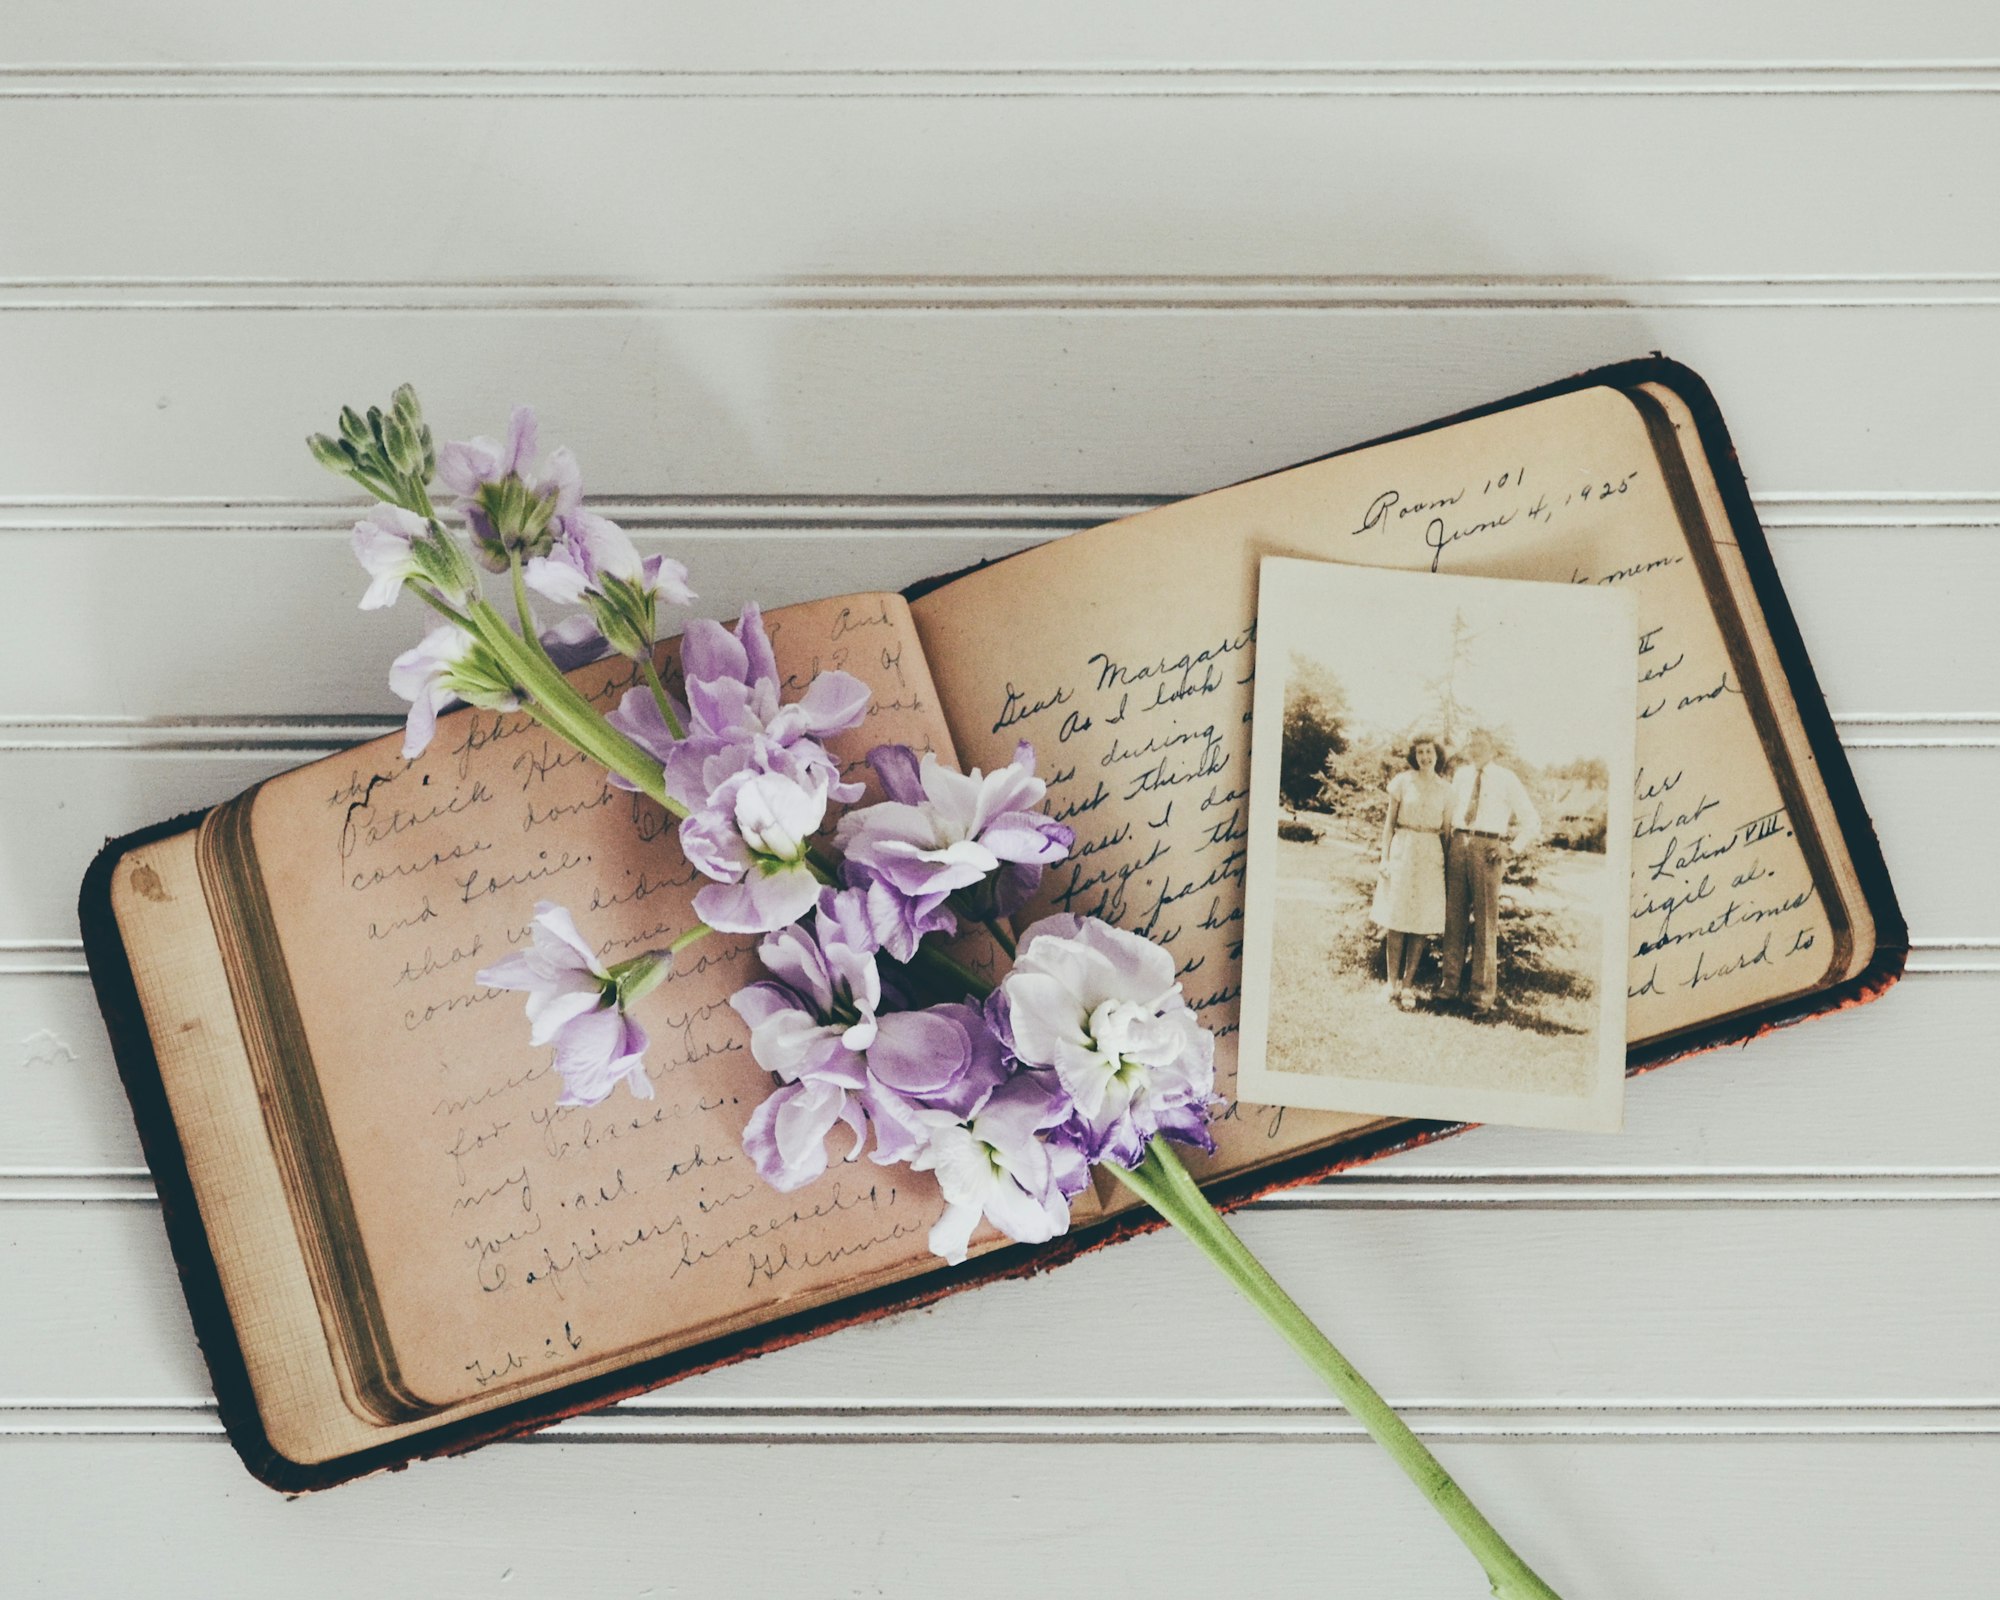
[1473, 868]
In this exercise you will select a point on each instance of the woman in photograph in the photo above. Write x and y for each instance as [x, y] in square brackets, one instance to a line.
[1409, 894]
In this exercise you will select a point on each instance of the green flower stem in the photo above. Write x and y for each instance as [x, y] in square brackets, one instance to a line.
[1167, 1186]
[523, 610]
[700, 930]
[564, 712]
[552, 687]
[660, 697]
[443, 606]
[929, 955]
[632, 981]
[1001, 937]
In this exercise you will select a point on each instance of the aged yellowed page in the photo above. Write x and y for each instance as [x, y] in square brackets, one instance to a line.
[1127, 654]
[510, 1240]
[302, 1400]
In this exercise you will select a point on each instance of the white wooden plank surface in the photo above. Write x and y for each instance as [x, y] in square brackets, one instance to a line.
[1431, 197]
[1699, 1297]
[843, 294]
[1639, 1519]
[1834, 402]
[876, 35]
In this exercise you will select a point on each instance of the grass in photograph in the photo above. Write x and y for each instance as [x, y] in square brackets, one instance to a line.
[1328, 1014]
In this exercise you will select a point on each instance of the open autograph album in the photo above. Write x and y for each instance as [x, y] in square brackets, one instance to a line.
[395, 1244]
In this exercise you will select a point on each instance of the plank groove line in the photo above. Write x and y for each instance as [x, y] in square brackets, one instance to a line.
[836, 516]
[661, 1419]
[153, 81]
[908, 293]
[1383, 1190]
[309, 735]
[1943, 957]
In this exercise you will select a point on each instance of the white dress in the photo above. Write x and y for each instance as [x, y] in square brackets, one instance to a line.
[1409, 896]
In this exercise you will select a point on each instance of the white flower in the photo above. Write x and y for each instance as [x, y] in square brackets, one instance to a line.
[384, 543]
[1102, 1007]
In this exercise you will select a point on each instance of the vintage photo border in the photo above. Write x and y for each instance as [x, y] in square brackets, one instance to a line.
[1285, 585]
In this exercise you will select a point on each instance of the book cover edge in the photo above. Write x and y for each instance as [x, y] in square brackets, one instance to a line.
[138, 1067]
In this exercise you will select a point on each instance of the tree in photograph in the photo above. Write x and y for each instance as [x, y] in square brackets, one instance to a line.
[1451, 718]
[1315, 728]
[1576, 804]
[1354, 784]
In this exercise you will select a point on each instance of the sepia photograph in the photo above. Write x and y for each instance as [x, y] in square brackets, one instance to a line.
[1438, 871]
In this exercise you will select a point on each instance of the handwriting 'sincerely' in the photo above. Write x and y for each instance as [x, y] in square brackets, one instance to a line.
[510, 1238]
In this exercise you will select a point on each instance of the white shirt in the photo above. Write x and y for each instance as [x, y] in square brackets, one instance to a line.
[1504, 806]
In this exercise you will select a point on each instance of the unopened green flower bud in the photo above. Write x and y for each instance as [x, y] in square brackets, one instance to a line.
[401, 444]
[624, 613]
[513, 520]
[327, 453]
[442, 562]
[631, 981]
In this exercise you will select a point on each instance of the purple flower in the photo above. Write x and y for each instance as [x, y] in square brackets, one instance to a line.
[816, 1013]
[591, 553]
[468, 466]
[593, 562]
[508, 507]
[447, 665]
[898, 921]
[996, 1165]
[736, 718]
[395, 547]
[942, 832]
[824, 1020]
[926, 1068]
[752, 835]
[574, 642]
[809, 1024]
[1101, 1007]
[576, 1004]
[734, 689]
[786, 1135]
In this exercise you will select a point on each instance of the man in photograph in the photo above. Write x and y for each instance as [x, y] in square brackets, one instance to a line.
[1491, 818]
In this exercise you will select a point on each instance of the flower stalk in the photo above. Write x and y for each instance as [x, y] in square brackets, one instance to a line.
[1168, 1187]
[661, 699]
[558, 707]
